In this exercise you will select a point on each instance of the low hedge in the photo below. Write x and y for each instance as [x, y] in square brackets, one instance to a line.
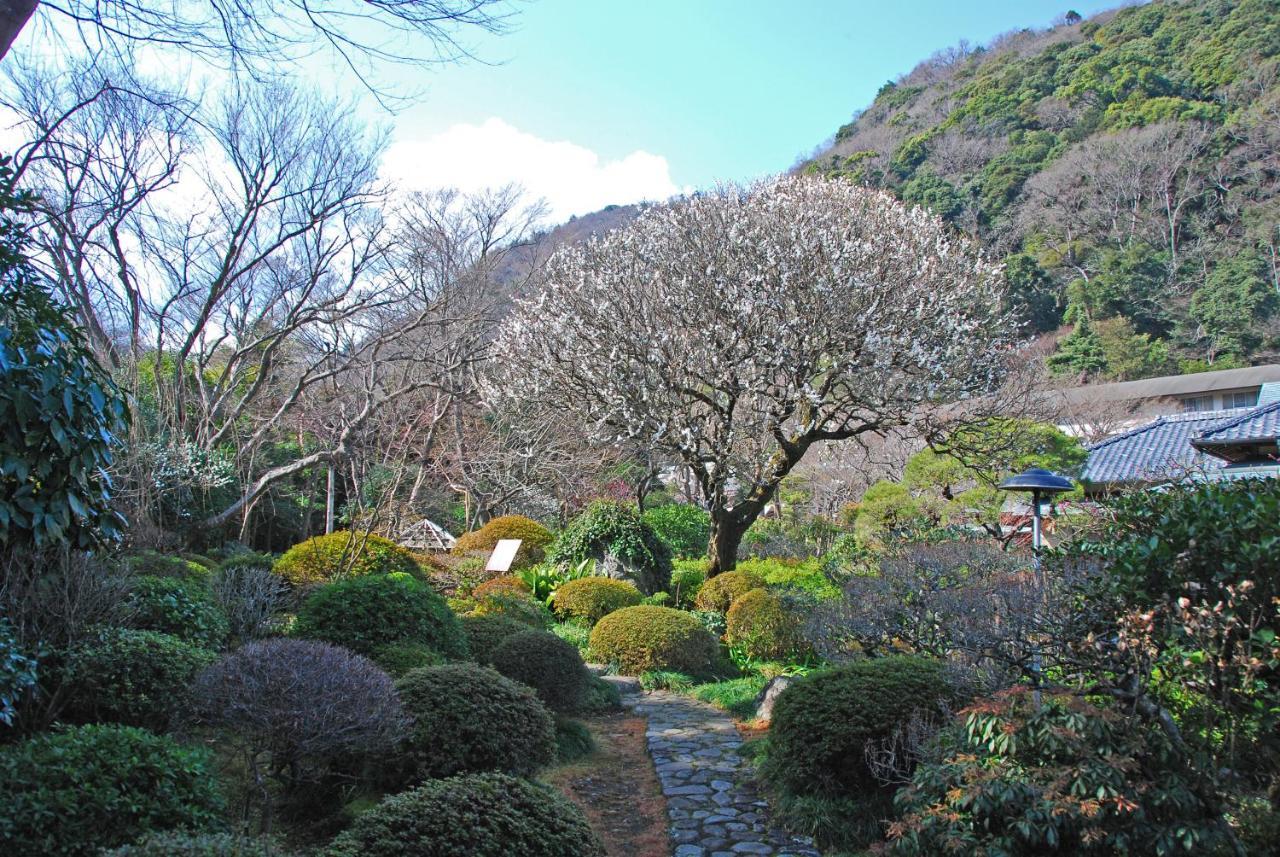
[156, 564]
[765, 627]
[484, 815]
[534, 539]
[719, 592]
[182, 843]
[822, 723]
[182, 607]
[546, 663]
[366, 613]
[485, 633]
[323, 559]
[468, 718]
[78, 790]
[593, 598]
[639, 639]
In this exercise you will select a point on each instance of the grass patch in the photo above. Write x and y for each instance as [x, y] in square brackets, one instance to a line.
[736, 696]
[573, 740]
[667, 680]
[576, 633]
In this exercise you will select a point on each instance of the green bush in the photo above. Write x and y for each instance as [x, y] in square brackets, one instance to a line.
[482, 815]
[78, 790]
[575, 632]
[154, 564]
[616, 537]
[687, 578]
[764, 626]
[525, 610]
[139, 678]
[638, 639]
[369, 612]
[468, 718]
[822, 723]
[804, 576]
[507, 584]
[685, 528]
[183, 608]
[593, 598]
[602, 697]
[1063, 777]
[722, 590]
[573, 740]
[546, 663]
[181, 843]
[485, 633]
[396, 659]
[533, 537]
[18, 674]
[323, 559]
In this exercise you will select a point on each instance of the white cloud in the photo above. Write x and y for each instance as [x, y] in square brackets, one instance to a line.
[571, 178]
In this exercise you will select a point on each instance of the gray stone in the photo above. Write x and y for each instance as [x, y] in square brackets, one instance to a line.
[769, 695]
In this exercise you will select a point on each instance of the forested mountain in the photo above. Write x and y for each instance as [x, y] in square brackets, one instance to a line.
[1126, 168]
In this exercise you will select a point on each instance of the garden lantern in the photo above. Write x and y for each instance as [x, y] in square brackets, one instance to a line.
[1043, 485]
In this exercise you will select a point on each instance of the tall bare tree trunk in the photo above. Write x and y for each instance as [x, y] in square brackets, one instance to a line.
[722, 549]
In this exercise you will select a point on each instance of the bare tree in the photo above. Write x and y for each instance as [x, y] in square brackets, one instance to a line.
[737, 329]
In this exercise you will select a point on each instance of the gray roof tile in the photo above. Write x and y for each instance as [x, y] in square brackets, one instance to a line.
[1158, 450]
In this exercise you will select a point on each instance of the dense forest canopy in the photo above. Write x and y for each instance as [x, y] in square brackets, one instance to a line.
[1124, 166]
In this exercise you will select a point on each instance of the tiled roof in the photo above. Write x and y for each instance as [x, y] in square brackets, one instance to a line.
[1157, 450]
[1261, 423]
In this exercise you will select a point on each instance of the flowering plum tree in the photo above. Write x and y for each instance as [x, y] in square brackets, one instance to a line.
[737, 328]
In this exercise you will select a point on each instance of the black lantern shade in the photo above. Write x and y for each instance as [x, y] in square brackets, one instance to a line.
[1038, 481]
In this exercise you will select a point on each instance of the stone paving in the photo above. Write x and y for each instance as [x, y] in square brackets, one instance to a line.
[712, 802]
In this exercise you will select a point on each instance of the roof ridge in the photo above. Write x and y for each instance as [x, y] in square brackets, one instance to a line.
[1231, 422]
[1160, 420]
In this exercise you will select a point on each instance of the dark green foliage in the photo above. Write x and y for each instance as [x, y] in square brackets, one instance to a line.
[78, 790]
[546, 663]
[614, 532]
[155, 564]
[720, 591]
[1236, 300]
[468, 719]
[487, 815]
[17, 674]
[178, 843]
[182, 608]
[593, 598]
[368, 612]
[934, 193]
[325, 558]
[1080, 353]
[396, 659]
[139, 678]
[60, 412]
[1033, 297]
[485, 633]
[687, 578]
[639, 639]
[685, 528]
[821, 724]
[573, 740]
[1064, 778]
[601, 697]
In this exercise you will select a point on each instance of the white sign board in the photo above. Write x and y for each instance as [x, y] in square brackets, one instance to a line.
[504, 553]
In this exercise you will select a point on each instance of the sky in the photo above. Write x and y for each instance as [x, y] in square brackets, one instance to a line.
[595, 102]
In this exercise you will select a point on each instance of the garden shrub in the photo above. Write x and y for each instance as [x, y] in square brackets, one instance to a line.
[622, 544]
[576, 632]
[139, 678]
[593, 598]
[155, 564]
[468, 718]
[638, 639]
[322, 559]
[480, 815]
[534, 539]
[720, 591]
[183, 608]
[365, 613]
[764, 626]
[822, 723]
[200, 559]
[687, 577]
[250, 595]
[485, 633]
[803, 576]
[396, 659]
[507, 584]
[601, 697]
[546, 663]
[573, 740]
[183, 843]
[77, 790]
[18, 674]
[524, 610]
[1065, 778]
[684, 527]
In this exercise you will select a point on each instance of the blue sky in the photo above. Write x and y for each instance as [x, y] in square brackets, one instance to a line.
[691, 92]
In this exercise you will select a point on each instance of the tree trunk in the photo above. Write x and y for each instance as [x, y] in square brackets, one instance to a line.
[14, 15]
[722, 551]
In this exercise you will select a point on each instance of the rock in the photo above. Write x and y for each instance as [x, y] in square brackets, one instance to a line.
[768, 696]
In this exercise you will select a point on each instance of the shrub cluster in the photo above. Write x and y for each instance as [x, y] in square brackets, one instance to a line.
[718, 593]
[685, 528]
[181, 843]
[639, 639]
[322, 559]
[546, 663]
[622, 544]
[485, 633]
[534, 539]
[250, 595]
[593, 598]
[396, 659]
[522, 609]
[369, 612]
[72, 792]
[181, 607]
[765, 627]
[687, 577]
[468, 719]
[481, 815]
[156, 564]
[507, 584]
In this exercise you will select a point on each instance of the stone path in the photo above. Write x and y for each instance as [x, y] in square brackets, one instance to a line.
[714, 808]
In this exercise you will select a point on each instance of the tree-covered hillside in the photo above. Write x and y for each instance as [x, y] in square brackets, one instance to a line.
[1126, 167]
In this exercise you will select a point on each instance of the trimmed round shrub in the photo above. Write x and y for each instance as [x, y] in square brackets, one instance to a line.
[546, 663]
[468, 718]
[80, 789]
[533, 537]
[718, 593]
[396, 659]
[622, 544]
[155, 564]
[822, 723]
[325, 558]
[639, 639]
[685, 528]
[182, 843]
[139, 678]
[481, 815]
[366, 613]
[593, 598]
[522, 609]
[764, 626]
[183, 608]
[485, 633]
[507, 584]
